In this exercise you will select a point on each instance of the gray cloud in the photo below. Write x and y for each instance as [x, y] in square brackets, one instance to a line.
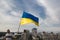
[47, 10]
[52, 12]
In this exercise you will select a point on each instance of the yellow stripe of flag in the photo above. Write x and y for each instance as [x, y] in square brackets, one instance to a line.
[27, 21]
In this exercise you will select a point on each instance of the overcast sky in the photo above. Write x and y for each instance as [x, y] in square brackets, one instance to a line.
[48, 12]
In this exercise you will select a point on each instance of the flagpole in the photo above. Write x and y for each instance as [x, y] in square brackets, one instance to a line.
[19, 25]
[18, 28]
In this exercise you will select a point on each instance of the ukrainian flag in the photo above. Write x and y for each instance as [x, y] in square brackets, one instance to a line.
[29, 18]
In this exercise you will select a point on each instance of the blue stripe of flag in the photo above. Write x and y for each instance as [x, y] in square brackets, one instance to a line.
[27, 15]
